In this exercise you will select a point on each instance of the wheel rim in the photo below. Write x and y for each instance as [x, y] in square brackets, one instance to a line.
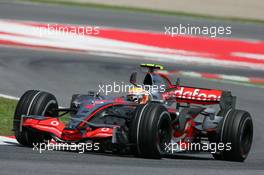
[246, 137]
[50, 109]
[163, 135]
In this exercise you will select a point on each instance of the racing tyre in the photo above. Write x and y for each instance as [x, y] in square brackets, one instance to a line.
[150, 130]
[236, 129]
[33, 102]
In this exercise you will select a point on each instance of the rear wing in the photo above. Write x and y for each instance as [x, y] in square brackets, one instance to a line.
[193, 95]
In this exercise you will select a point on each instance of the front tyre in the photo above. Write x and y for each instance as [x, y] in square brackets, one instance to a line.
[33, 102]
[151, 130]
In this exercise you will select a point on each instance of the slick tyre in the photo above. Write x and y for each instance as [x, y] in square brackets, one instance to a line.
[33, 102]
[236, 129]
[150, 130]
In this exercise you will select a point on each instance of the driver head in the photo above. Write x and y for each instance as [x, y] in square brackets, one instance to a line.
[138, 95]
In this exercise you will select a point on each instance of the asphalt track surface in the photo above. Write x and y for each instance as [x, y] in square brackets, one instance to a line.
[66, 73]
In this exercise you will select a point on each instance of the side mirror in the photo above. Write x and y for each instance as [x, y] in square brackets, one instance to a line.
[133, 78]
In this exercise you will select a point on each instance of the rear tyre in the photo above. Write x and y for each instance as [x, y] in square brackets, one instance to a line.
[150, 130]
[236, 129]
[33, 102]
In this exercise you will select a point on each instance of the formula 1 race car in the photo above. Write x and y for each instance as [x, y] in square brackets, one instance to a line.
[155, 119]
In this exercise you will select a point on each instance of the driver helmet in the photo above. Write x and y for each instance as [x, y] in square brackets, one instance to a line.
[138, 95]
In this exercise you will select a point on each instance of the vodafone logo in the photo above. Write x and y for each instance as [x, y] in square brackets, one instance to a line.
[54, 123]
[194, 94]
[105, 129]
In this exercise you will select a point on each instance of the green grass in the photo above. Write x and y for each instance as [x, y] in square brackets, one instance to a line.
[144, 10]
[66, 118]
[7, 109]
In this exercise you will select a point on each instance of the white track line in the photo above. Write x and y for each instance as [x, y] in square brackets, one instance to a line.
[7, 140]
[9, 97]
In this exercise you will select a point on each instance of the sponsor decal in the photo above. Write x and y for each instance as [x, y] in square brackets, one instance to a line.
[105, 129]
[101, 132]
[54, 123]
[194, 94]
